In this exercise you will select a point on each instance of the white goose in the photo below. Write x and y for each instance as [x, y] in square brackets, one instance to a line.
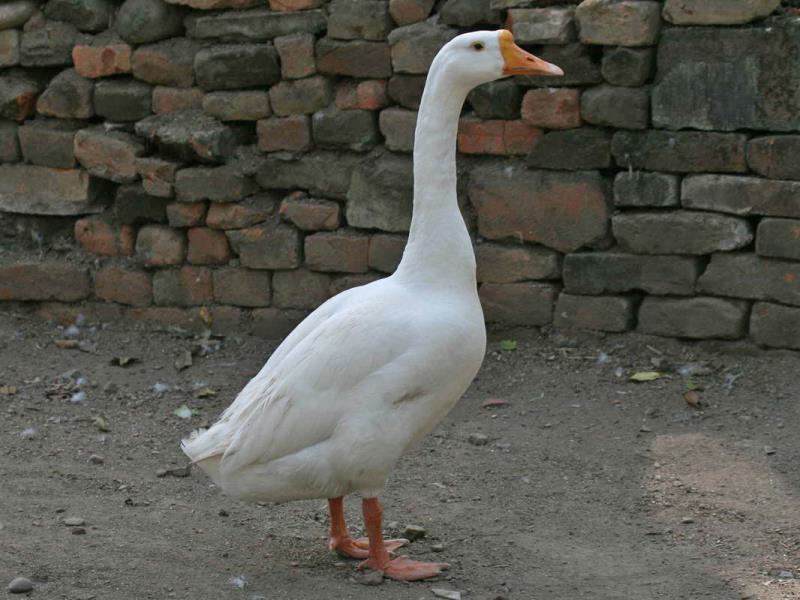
[374, 369]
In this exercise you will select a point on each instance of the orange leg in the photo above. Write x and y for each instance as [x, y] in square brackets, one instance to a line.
[342, 543]
[402, 567]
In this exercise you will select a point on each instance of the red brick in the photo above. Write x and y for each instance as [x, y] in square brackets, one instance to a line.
[518, 303]
[169, 99]
[562, 210]
[158, 175]
[552, 108]
[187, 286]
[275, 323]
[207, 246]
[297, 55]
[97, 236]
[289, 5]
[507, 264]
[159, 245]
[270, 246]
[518, 137]
[340, 251]
[116, 284]
[186, 214]
[169, 62]
[495, 137]
[284, 133]
[39, 190]
[44, 281]
[347, 282]
[251, 211]
[248, 105]
[102, 60]
[368, 95]
[480, 137]
[242, 287]
[300, 288]
[405, 12]
[310, 214]
[108, 154]
[385, 251]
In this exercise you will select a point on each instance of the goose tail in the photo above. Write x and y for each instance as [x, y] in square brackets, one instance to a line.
[205, 448]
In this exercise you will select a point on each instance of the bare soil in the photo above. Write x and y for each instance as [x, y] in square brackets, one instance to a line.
[590, 486]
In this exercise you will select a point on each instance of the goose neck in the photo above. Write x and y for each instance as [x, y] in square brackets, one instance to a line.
[439, 247]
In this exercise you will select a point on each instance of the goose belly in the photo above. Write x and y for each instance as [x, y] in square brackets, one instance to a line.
[350, 461]
[358, 457]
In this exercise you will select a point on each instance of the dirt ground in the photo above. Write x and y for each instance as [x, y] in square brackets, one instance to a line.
[589, 486]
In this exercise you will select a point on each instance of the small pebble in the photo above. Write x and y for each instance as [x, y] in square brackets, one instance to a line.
[27, 434]
[449, 594]
[110, 388]
[494, 403]
[175, 472]
[73, 374]
[687, 520]
[222, 512]
[78, 531]
[73, 521]
[437, 547]
[96, 459]
[239, 581]
[414, 532]
[769, 450]
[180, 471]
[20, 585]
[478, 439]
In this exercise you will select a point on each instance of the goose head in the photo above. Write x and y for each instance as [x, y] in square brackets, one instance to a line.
[483, 56]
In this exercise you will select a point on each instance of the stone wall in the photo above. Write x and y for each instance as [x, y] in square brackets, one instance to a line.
[232, 162]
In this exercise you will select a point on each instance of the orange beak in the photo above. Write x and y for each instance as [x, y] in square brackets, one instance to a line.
[518, 62]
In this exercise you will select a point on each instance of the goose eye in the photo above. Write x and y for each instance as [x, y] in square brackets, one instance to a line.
[478, 46]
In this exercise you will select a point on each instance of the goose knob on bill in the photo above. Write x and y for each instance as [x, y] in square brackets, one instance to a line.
[373, 370]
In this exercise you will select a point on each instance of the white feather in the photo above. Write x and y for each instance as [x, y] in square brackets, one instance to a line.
[371, 371]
